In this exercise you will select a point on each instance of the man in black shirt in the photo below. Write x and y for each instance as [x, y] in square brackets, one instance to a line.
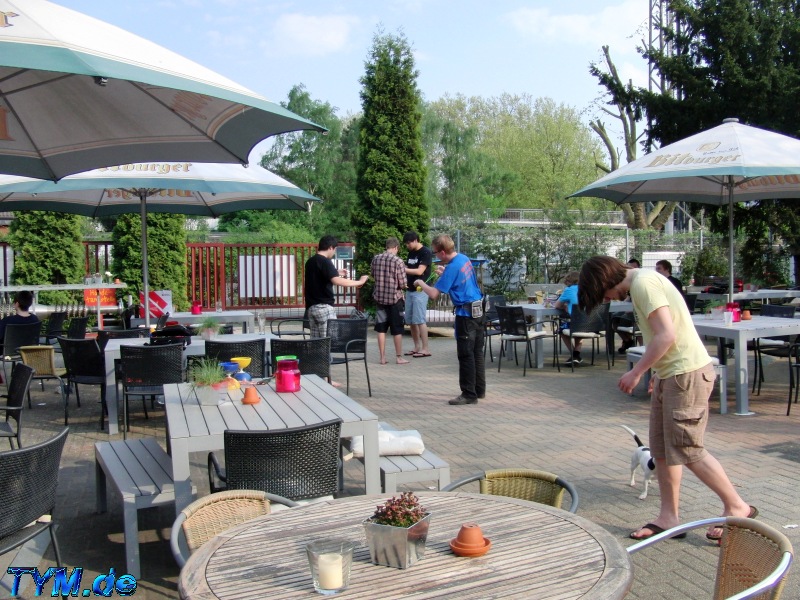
[418, 266]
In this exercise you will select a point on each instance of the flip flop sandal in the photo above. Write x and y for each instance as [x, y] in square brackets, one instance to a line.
[715, 538]
[410, 353]
[656, 530]
[420, 355]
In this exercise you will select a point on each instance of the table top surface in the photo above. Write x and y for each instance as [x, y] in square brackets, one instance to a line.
[225, 314]
[616, 306]
[316, 402]
[198, 344]
[757, 295]
[756, 327]
[537, 552]
[63, 286]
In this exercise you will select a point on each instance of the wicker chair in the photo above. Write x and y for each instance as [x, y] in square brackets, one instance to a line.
[211, 515]
[255, 349]
[753, 560]
[297, 463]
[514, 329]
[525, 484]
[53, 327]
[16, 335]
[349, 343]
[314, 354]
[42, 359]
[28, 493]
[21, 376]
[86, 365]
[144, 370]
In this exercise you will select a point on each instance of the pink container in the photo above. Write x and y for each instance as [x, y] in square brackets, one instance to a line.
[287, 376]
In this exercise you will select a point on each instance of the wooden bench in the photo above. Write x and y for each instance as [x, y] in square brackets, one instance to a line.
[141, 472]
[411, 468]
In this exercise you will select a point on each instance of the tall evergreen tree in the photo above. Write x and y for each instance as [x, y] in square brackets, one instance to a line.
[166, 251]
[391, 173]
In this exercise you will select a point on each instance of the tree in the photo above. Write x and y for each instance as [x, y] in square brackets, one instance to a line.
[47, 249]
[166, 251]
[391, 174]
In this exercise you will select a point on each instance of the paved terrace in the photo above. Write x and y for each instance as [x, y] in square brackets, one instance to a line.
[562, 422]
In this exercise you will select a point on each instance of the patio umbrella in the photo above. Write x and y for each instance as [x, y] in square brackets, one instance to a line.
[198, 189]
[77, 93]
[726, 164]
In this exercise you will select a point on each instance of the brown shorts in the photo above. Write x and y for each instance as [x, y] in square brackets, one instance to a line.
[678, 416]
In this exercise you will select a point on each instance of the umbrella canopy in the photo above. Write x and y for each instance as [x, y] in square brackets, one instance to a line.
[77, 93]
[185, 188]
[726, 164]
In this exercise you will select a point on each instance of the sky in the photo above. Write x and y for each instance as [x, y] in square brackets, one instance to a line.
[470, 47]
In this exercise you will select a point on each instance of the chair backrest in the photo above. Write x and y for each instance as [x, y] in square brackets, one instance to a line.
[512, 320]
[297, 463]
[151, 365]
[528, 484]
[691, 302]
[40, 358]
[314, 354]
[161, 322]
[492, 302]
[255, 349]
[580, 322]
[781, 311]
[118, 334]
[77, 328]
[348, 334]
[129, 313]
[82, 358]
[55, 324]
[21, 377]
[290, 327]
[30, 481]
[20, 334]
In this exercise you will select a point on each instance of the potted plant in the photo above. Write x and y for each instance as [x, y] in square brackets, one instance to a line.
[208, 379]
[397, 532]
[208, 327]
[714, 309]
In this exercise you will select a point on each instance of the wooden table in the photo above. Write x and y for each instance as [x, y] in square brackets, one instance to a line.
[195, 428]
[245, 317]
[196, 348]
[537, 552]
[740, 333]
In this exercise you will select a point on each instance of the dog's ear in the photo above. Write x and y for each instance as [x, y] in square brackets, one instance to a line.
[651, 464]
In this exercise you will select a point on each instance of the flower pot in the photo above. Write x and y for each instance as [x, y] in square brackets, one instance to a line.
[398, 547]
[207, 395]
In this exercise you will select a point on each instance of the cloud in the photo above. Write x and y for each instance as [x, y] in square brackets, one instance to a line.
[310, 35]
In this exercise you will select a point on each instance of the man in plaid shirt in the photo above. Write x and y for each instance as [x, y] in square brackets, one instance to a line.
[389, 272]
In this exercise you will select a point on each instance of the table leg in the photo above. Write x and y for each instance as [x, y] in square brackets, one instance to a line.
[372, 473]
[538, 345]
[111, 399]
[740, 373]
[99, 314]
[181, 474]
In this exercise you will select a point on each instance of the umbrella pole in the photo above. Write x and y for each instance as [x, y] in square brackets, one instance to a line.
[146, 285]
[730, 238]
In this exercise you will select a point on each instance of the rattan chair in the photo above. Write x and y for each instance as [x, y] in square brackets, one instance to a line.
[211, 515]
[53, 327]
[86, 365]
[144, 370]
[349, 343]
[514, 329]
[16, 335]
[525, 484]
[298, 463]
[314, 354]
[21, 376]
[42, 359]
[255, 349]
[28, 493]
[753, 559]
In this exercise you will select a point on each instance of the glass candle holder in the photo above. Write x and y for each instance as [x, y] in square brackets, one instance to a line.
[330, 562]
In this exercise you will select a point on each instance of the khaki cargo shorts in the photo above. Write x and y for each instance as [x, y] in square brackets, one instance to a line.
[678, 416]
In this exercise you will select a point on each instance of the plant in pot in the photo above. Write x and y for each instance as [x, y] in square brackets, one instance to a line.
[208, 328]
[208, 380]
[397, 532]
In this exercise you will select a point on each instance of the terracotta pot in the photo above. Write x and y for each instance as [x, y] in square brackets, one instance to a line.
[470, 534]
[251, 396]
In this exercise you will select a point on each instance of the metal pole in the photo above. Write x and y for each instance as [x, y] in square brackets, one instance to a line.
[146, 285]
[730, 238]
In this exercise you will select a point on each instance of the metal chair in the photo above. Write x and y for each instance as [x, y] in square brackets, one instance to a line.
[314, 354]
[491, 322]
[16, 335]
[144, 370]
[514, 329]
[86, 365]
[28, 493]
[42, 359]
[778, 347]
[794, 374]
[161, 322]
[290, 327]
[76, 330]
[524, 484]
[349, 343]
[753, 558]
[21, 376]
[211, 515]
[255, 349]
[53, 327]
[591, 328]
[298, 463]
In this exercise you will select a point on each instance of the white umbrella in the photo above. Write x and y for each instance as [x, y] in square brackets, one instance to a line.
[726, 164]
[77, 93]
[185, 188]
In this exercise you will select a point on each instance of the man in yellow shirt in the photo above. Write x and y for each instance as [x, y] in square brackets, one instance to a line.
[681, 386]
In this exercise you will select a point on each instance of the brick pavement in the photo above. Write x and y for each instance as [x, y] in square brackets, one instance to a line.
[562, 422]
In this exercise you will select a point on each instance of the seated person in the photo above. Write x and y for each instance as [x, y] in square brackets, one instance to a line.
[625, 319]
[664, 267]
[566, 300]
[22, 304]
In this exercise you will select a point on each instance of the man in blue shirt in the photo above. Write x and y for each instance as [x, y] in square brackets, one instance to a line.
[458, 279]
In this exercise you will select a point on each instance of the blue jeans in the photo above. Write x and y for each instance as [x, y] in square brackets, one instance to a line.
[469, 346]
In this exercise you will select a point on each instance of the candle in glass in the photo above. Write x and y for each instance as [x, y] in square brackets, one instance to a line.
[330, 571]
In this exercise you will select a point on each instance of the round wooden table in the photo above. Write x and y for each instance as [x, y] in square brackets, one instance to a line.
[537, 552]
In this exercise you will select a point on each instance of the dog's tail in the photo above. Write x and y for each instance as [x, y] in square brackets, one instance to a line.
[635, 437]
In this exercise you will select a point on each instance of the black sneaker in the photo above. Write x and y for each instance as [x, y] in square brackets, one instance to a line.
[625, 346]
[575, 360]
[459, 400]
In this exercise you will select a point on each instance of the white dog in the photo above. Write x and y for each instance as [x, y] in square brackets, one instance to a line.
[641, 458]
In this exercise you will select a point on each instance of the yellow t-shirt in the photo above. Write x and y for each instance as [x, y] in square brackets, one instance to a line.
[650, 291]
